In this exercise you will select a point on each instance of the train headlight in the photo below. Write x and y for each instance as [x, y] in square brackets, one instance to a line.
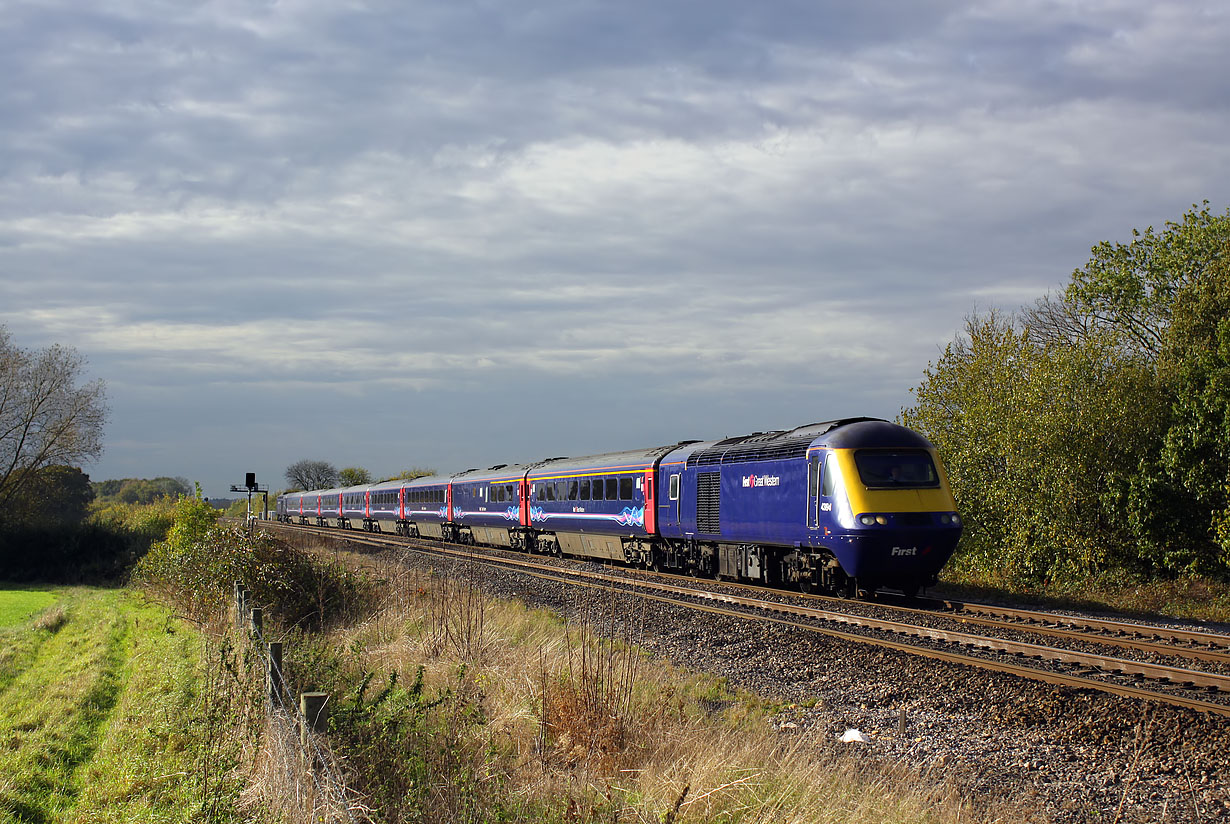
[867, 520]
[956, 520]
[882, 520]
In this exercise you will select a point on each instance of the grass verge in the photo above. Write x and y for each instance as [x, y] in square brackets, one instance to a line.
[103, 718]
[450, 706]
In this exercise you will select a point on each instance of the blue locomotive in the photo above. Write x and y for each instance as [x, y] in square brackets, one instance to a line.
[842, 506]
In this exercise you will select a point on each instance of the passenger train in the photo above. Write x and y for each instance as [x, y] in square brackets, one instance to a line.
[847, 506]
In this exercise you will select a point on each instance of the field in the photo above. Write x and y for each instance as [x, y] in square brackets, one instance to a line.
[17, 605]
[99, 693]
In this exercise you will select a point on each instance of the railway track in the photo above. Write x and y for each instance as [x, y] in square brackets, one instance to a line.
[1197, 689]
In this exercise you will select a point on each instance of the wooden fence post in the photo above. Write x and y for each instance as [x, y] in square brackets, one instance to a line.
[257, 618]
[241, 602]
[274, 675]
[315, 709]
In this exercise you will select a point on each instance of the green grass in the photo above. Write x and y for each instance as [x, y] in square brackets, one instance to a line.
[51, 711]
[18, 604]
[101, 717]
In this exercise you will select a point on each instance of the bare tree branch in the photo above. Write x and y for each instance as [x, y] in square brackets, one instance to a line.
[45, 417]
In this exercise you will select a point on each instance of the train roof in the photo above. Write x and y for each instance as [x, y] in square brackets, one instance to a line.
[608, 460]
[497, 473]
[873, 433]
[780, 444]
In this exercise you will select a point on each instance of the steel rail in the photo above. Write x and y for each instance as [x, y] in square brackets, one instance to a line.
[1057, 630]
[1212, 641]
[1033, 623]
[1099, 663]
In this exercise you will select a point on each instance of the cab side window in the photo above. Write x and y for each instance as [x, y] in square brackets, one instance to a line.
[674, 491]
[829, 485]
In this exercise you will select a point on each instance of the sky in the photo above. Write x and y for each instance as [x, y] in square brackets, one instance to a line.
[455, 234]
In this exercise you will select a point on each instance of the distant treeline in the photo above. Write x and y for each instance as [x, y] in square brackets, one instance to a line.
[1090, 433]
[140, 490]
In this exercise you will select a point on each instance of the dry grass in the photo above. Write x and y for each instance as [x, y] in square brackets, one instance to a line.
[570, 721]
[51, 619]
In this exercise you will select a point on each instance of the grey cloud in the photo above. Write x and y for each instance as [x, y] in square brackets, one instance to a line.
[495, 229]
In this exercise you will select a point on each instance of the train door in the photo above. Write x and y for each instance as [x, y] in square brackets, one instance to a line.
[401, 504]
[813, 490]
[367, 503]
[651, 501]
[523, 499]
[448, 503]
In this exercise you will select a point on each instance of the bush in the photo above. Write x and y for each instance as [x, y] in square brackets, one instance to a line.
[199, 562]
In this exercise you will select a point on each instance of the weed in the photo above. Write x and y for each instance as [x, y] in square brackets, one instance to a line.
[51, 620]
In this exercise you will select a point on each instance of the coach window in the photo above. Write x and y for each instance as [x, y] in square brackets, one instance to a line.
[612, 489]
[539, 492]
[674, 487]
[584, 491]
[572, 490]
[625, 489]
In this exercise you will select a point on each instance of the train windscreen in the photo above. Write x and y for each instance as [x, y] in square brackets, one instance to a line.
[896, 469]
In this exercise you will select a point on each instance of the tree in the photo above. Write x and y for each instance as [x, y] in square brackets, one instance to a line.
[54, 496]
[141, 490]
[1167, 294]
[308, 474]
[354, 476]
[1132, 289]
[1093, 430]
[1041, 442]
[412, 473]
[46, 416]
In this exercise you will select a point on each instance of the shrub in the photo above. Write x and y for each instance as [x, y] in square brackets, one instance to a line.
[199, 562]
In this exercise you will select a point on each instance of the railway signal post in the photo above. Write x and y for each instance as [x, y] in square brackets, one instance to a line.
[250, 485]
